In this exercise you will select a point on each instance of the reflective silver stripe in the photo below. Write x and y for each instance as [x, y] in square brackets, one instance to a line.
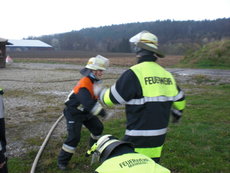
[149, 99]
[106, 144]
[69, 96]
[116, 95]
[179, 113]
[146, 132]
[68, 148]
[144, 100]
[96, 109]
[179, 96]
[95, 137]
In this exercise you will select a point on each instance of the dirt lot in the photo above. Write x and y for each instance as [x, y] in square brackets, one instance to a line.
[35, 93]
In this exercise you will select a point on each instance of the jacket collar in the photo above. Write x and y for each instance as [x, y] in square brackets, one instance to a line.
[146, 58]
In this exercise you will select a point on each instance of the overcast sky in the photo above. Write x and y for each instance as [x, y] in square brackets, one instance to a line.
[23, 18]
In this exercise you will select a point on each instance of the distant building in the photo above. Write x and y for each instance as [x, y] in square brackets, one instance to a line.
[25, 45]
[3, 43]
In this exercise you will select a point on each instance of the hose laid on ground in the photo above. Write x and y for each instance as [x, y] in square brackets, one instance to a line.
[44, 144]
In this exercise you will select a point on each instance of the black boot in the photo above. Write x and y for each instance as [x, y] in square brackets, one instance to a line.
[63, 159]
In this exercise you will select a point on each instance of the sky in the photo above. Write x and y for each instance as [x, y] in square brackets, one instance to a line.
[24, 18]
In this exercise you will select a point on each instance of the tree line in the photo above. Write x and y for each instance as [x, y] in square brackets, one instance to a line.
[175, 37]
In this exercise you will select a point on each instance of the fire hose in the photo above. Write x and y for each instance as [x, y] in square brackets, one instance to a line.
[44, 144]
[47, 139]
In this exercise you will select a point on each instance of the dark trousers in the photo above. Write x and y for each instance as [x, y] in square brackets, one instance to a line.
[3, 145]
[74, 125]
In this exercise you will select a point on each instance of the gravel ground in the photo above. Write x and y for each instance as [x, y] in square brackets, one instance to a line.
[34, 97]
[35, 93]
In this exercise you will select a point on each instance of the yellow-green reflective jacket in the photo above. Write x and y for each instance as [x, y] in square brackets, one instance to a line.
[131, 163]
[148, 92]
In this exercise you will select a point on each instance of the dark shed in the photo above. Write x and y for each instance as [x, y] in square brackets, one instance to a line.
[3, 43]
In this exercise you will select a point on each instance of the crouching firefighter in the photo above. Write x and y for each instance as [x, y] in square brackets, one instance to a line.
[82, 108]
[3, 158]
[152, 96]
[119, 157]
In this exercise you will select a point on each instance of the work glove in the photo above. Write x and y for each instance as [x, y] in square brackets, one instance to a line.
[95, 155]
[176, 115]
[98, 89]
[98, 110]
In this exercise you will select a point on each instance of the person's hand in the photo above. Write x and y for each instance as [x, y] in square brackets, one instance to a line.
[97, 88]
[98, 110]
[176, 115]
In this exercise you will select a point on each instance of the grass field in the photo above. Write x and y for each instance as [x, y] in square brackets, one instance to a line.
[199, 143]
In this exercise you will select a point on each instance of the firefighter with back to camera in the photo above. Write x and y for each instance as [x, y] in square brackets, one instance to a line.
[150, 95]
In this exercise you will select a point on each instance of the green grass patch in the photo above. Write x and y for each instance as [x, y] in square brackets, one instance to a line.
[200, 143]
[22, 164]
[212, 55]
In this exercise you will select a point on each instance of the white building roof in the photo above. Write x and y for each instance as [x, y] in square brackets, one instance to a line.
[3, 40]
[27, 43]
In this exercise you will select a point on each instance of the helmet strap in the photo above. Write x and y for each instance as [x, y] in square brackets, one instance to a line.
[91, 75]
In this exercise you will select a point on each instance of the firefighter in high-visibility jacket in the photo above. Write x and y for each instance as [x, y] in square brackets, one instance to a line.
[82, 108]
[119, 157]
[150, 94]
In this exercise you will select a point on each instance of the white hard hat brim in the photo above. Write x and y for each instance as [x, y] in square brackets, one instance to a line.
[94, 67]
[97, 63]
[136, 38]
[151, 48]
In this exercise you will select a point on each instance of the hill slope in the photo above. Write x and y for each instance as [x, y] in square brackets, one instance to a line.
[214, 54]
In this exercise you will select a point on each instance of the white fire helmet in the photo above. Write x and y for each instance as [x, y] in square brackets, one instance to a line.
[146, 40]
[105, 145]
[97, 63]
